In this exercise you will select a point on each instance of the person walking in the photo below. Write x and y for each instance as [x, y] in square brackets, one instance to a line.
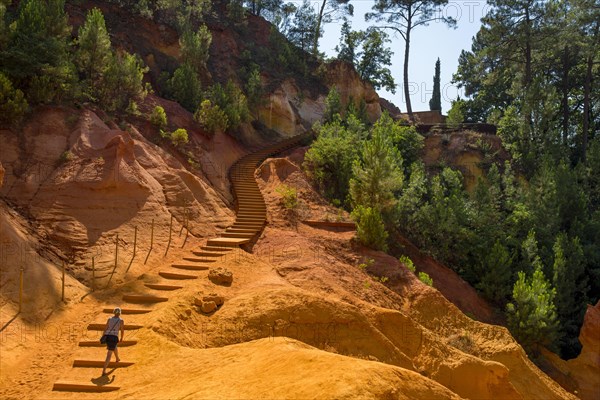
[114, 325]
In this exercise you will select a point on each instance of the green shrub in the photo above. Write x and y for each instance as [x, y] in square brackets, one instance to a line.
[370, 228]
[158, 117]
[211, 117]
[407, 262]
[185, 87]
[231, 101]
[425, 278]
[289, 196]
[65, 157]
[179, 137]
[12, 101]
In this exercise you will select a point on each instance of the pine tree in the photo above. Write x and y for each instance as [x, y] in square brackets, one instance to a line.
[37, 58]
[94, 52]
[375, 58]
[333, 105]
[303, 31]
[571, 286]
[123, 82]
[378, 174]
[370, 229]
[195, 46]
[403, 17]
[496, 282]
[435, 104]
[532, 315]
[185, 87]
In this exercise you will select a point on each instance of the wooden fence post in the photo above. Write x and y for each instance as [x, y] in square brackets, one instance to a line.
[21, 290]
[63, 282]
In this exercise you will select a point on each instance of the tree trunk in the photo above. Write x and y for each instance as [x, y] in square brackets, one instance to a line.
[406, 54]
[527, 78]
[586, 106]
[565, 98]
[315, 49]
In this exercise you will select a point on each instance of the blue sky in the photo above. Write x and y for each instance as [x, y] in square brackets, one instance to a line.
[427, 44]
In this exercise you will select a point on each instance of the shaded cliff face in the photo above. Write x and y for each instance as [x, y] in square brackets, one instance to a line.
[466, 151]
[580, 375]
[80, 181]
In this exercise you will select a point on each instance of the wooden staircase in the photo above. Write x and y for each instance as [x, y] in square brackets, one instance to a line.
[250, 219]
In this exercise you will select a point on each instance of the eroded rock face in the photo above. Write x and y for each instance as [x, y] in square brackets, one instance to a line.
[1, 175]
[290, 110]
[82, 180]
[350, 86]
[586, 367]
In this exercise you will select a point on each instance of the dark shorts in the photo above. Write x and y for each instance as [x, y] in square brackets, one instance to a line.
[111, 342]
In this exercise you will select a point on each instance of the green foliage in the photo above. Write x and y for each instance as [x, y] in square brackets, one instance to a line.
[303, 31]
[370, 228]
[404, 138]
[456, 115]
[185, 87]
[211, 117]
[133, 109]
[289, 196]
[333, 105]
[328, 162]
[36, 58]
[93, 55]
[377, 175]
[425, 278]
[231, 101]
[570, 282]
[179, 137]
[367, 51]
[12, 102]
[531, 315]
[402, 17]
[123, 81]
[375, 59]
[408, 263]
[435, 104]
[158, 118]
[496, 281]
[65, 157]
[254, 89]
[195, 46]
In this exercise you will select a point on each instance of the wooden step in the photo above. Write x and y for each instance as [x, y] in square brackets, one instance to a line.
[227, 242]
[143, 298]
[254, 227]
[128, 310]
[100, 364]
[96, 343]
[175, 275]
[64, 386]
[241, 230]
[251, 220]
[190, 267]
[238, 235]
[102, 327]
[202, 253]
[200, 259]
[157, 286]
[216, 248]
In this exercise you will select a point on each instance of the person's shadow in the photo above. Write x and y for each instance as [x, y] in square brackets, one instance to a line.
[104, 380]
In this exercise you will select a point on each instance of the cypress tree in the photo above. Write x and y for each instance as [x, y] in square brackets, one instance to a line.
[436, 99]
